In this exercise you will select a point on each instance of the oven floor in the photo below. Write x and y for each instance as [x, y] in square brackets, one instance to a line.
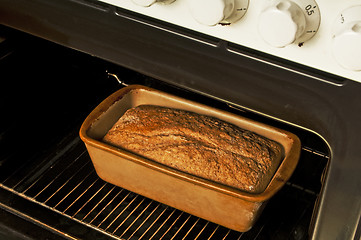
[47, 178]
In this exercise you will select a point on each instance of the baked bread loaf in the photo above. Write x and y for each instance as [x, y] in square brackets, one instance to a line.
[199, 145]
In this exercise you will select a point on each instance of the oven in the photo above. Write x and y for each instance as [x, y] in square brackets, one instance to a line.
[59, 59]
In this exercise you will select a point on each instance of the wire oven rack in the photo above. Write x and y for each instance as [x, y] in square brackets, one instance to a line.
[65, 182]
[50, 180]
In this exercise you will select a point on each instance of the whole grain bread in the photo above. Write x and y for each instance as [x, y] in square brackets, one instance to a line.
[199, 145]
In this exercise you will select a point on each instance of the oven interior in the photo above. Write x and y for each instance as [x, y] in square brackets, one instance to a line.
[47, 178]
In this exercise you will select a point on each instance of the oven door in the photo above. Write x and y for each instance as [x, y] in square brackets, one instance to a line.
[47, 179]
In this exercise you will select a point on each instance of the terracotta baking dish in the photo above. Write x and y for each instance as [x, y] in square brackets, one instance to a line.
[223, 205]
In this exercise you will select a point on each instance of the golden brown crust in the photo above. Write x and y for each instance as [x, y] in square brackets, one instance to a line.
[199, 145]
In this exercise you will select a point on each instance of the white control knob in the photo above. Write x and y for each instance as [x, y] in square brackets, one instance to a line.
[284, 22]
[212, 12]
[147, 3]
[347, 39]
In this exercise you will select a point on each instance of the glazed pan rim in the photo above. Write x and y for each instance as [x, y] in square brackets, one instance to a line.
[287, 164]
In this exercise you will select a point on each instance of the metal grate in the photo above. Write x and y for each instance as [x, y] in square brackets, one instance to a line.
[65, 181]
[70, 186]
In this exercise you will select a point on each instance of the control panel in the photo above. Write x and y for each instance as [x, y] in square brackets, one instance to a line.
[321, 34]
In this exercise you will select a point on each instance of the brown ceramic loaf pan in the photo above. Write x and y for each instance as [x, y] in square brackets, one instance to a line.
[227, 206]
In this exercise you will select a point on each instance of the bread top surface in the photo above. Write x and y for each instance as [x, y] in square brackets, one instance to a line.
[199, 145]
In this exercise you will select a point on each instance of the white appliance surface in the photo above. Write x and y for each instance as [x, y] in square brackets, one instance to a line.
[316, 52]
